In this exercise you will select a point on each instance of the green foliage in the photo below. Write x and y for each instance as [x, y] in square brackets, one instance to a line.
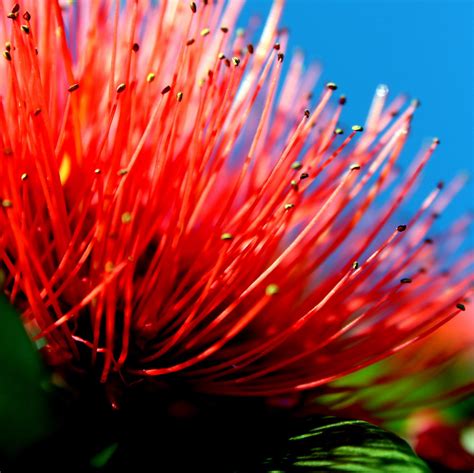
[101, 459]
[329, 444]
[24, 413]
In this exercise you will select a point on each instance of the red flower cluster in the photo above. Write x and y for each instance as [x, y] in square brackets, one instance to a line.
[169, 208]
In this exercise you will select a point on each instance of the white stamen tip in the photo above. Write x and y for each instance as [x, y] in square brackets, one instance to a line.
[382, 90]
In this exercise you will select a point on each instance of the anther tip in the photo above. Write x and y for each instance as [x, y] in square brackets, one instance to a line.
[272, 289]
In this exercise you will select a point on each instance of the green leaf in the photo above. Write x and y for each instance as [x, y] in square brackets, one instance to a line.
[329, 444]
[24, 413]
[102, 458]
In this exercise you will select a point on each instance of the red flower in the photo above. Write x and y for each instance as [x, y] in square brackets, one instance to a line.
[436, 440]
[168, 212]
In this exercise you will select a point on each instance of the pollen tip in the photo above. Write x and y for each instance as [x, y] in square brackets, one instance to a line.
[429, 241]
[193, 7]
[122, 172]
[15, 8]
[97, 171]
[338, 131]
[440, 185]
[401, 228]
[357, 128]
[355, 167]
[227, 236]
[179, 96]
[382, 90]
[405, 280]
[7, 55]
[276, 46]
[297, 165]
[289, 206]
[235, 61]
[121, 87]
[165, 90]
[331, 86]
[280, 57]
[460, 306]
[221, 56]
[250, 48]
[304, 175]
[135, 47]
[272, 289]
[37, 112]
[355, 265]
[27, 16]
[205, 32]
[24, 176]
[342, 100]
[294, 184]
[73, 87]
[150, 77]
[109, 267]
[126, 217]
[190, 41]
[25, 29]
[306, 113]
[224, 29]
[6, 203]
[436, 141]
[416, 103]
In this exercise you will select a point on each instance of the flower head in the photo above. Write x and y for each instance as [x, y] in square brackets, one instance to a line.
[174, 206]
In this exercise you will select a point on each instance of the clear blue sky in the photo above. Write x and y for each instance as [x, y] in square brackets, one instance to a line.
[424, 48]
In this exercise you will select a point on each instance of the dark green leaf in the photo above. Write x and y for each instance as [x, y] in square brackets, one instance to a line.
[330, 444]
[24, 415]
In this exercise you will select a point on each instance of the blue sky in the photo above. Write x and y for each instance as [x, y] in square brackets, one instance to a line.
[424, 48]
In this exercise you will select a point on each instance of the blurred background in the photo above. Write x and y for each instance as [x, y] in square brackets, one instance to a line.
[424, 48]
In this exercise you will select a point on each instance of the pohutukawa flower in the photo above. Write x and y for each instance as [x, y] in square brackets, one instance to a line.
[174, 207]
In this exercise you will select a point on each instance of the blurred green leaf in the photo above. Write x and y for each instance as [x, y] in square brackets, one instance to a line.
[101, 459]
[329, 444]
[24, 414]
